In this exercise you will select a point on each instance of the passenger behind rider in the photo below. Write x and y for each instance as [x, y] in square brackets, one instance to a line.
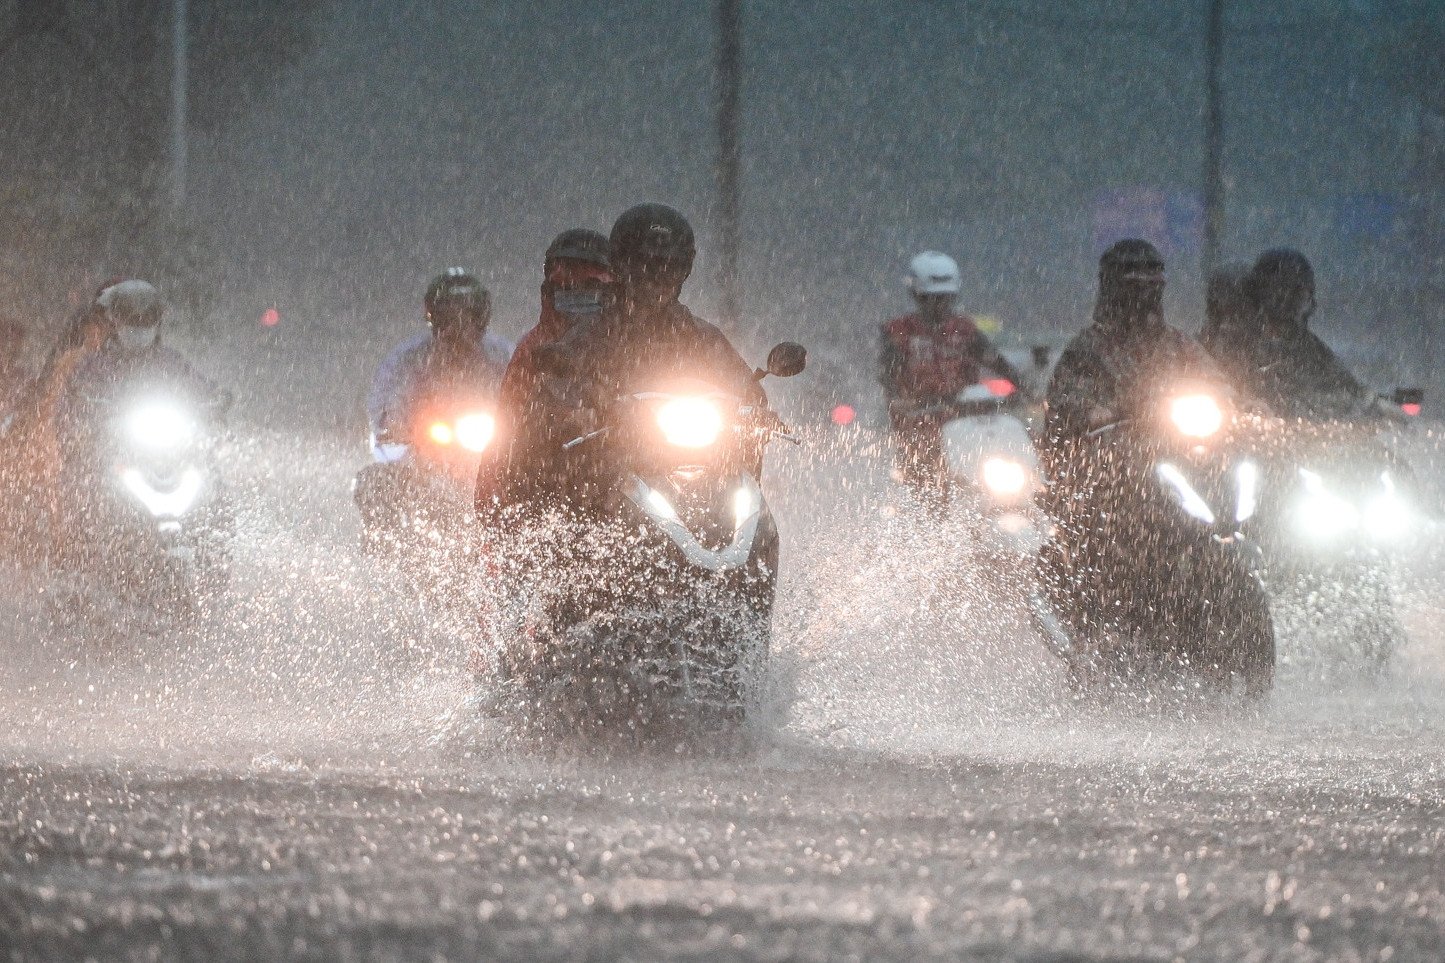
[577, 286]
[644, 333]
[455, 358]
[1270, 354]
[926, 358]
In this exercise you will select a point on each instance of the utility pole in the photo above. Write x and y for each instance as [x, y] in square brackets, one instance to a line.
[1213, 140]
[729, 156]
[180, 93]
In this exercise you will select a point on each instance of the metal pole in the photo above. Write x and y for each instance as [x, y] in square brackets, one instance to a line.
[180, 83]
[1213, 140]
[729, 157]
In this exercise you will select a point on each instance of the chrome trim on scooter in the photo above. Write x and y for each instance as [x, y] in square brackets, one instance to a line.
[655, 506]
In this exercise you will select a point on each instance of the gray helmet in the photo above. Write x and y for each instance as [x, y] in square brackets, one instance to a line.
[132, 303]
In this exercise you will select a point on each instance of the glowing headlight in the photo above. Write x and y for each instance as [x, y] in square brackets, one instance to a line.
[159, 426]
[475, 431]
[1387, 515]
[1004, 477]
[690, 422]
[1196, 416]
[1320, 513]
[441, 433]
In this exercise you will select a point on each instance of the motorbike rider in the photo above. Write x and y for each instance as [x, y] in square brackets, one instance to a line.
[455, 355]
[1273, 356]
[577, 285]
[644, 331]
[130, 358]
[1107, 535]
[926, 358]
[1111, 365]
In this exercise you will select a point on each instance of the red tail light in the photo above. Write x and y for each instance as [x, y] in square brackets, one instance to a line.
[1000, 387]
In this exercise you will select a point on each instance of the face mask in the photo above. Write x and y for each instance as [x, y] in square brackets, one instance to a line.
[579, 301]
[134, 339]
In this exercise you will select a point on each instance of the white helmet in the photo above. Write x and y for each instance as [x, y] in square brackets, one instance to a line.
[933, 273]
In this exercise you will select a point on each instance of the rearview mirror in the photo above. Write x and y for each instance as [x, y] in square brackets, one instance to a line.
[1041, 354]
[787, 359]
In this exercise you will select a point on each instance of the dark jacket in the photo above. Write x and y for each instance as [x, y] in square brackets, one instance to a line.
[1105, 369]
[1295, 374]
[622, 350]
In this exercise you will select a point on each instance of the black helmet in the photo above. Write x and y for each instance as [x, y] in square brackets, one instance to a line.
[652, 241]
[1131, 286]
[1131, 256]
[578, 244]
[1282, 283]
[456, 295]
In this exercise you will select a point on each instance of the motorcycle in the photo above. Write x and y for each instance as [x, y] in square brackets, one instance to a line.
[151, 512]
[1337, 506]
[1150, 573]
[662, 611]
[419, 488]
[992, 465]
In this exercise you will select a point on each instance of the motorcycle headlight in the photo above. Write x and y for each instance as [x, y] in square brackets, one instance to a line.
[1004, 477]
[1387, 515]
[689, 422]
[474, 432]
[160, 427]
[441, 433]
[1196, 416]
[1321, 513]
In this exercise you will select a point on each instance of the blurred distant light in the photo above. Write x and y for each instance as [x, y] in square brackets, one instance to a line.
[999, 387]
[270, 318]
[989, 324]
[1411, 408]
[844, 415]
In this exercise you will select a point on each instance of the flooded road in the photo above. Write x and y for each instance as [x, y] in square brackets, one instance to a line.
[297, 775]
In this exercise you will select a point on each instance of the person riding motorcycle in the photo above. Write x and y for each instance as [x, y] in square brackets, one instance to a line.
[644, 331]
[1274, 357]
[926, 358]
[1109, 373]
[455, 350]
[131, 358]
[456, 356]
[32, 475]
[577, 285]
[1131, 579]
[1106, 369]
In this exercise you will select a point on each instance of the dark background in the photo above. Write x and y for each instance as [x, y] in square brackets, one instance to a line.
[342, 152]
